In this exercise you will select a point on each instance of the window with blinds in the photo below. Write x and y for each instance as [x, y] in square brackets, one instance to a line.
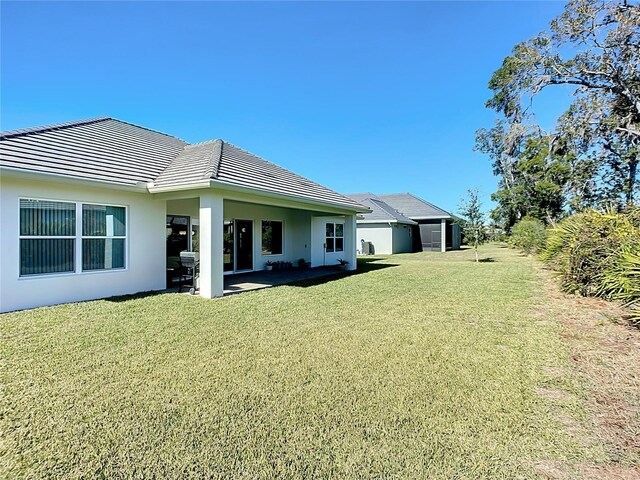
[50, 237]
[103, 237]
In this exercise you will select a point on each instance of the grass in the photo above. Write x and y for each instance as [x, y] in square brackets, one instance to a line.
[422, 365]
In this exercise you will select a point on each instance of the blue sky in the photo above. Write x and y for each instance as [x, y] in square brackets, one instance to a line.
[380, 97]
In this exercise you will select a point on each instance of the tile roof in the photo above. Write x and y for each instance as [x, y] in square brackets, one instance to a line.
[111, 150]
[381, 212]
[414, 207]
[97, 149]
[405, 204]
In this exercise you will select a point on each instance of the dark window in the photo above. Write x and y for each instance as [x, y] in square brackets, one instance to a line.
[272, 235]
[334, 237]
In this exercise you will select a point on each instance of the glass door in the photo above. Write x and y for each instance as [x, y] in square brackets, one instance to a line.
[227, 248]
[244, 244]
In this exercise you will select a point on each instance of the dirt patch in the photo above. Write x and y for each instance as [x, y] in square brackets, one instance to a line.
[605, 354]
[554, 470]
[554, 395]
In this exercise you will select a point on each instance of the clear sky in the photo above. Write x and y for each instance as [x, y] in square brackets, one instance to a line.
[379, 97]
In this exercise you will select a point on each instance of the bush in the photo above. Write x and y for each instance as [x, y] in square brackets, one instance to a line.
[595, 253]
[622, 282]
[529, 234]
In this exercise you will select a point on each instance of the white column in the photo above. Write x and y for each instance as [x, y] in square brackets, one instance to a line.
[443, 235]
[211, 245]
[351, 242]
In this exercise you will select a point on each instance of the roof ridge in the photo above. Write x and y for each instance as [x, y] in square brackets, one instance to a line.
[417, 198]
[427, 202]
[216, 159]
[147, 129]
[48, 128]
[279, 166]
[76, 123]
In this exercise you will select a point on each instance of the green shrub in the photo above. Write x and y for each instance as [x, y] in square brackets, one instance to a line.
[529, 234]
[622, 282]
[594, 253]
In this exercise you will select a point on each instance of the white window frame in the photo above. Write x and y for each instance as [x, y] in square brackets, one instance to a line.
[333, 237]
[77, 238]
[283, 240]
[114, 237]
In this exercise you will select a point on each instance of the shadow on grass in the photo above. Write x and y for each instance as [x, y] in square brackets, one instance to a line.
[487, 260]
[135, 296]
[365, 265]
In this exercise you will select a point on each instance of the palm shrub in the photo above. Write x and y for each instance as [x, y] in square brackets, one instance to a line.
[622, 282]
[591, 252]
[529, 234]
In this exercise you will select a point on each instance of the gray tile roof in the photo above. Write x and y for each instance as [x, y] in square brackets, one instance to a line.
[414, 207]
[406, 204]
[97, 149]
[381, 212]
[111, 150]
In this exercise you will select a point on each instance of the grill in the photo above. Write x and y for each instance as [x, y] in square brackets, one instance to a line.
[190, 270]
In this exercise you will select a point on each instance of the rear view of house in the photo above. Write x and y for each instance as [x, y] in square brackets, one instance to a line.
[101, 207]
[402, 223]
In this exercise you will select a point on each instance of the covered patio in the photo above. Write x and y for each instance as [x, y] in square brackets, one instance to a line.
[243, 282]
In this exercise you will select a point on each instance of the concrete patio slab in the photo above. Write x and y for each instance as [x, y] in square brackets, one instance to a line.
[242, 282]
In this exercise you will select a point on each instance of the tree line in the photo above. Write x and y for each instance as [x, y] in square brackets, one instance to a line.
[590, 158]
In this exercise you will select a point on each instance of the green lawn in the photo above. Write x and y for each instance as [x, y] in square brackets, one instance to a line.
[422, 365]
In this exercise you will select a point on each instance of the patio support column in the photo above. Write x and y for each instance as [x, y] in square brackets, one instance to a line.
[211, 245]
[443, 235]
[351, 237]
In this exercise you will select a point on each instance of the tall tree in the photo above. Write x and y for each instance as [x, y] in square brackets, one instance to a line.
[534, 170]
[474, 227]
[593, 45]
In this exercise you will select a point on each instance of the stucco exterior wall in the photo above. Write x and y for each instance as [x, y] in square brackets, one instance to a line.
[296, 224]
[145, 252]
[379, 234]
[318, 228]
[402, 241]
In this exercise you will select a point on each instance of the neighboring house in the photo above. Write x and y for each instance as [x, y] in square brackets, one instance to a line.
[101, 207]
[402, 222]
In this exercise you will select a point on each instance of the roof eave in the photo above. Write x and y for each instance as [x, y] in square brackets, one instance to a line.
[403, 222]
[266, 193]
[153, 188]
[21, 173]
[431, 217]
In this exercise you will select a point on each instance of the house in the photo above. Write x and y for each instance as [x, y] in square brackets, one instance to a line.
[402, 222]
[100, 207]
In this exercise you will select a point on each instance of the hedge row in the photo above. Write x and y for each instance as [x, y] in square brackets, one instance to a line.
[597, 254]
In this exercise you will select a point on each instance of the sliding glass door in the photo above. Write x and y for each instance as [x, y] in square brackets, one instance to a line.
[237, 246]
[227, 247]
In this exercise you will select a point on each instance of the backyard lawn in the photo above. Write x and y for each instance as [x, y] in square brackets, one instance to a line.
[420, 365]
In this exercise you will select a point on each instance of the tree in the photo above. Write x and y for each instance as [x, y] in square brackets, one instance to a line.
[534, 175]
[595, 47]
[473, 227]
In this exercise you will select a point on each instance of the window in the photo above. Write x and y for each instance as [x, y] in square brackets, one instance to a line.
[52, 232]
[47, 237]
[334, 237]
[103, 237]
[272, 235]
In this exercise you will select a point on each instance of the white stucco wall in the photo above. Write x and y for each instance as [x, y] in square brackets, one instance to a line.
[296, 224]
[318, 231]
[402, 242]
[379, 234]
[145, 255]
